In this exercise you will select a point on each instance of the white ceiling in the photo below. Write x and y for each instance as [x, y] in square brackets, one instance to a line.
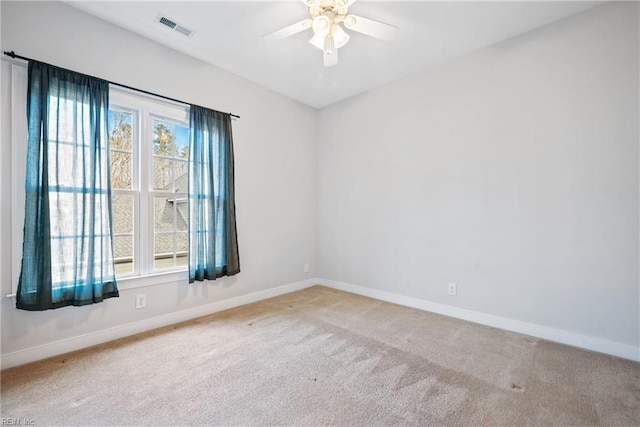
[229, 35]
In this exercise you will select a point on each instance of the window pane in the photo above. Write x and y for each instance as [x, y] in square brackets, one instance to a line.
[182, 246]
[62, 112]
[164, 138]
[121, 145]
[65, 255]
[170, 242]
[123, 252]
[182, 142]
[122, 209]
[180, 171]
[121, 170]
[170, 140]
[182, 212]
[163, 213]
[120, 130]
[163, 253]
[62, 208]
[182, 260]
[170, 152]
[68, 162]
[162, 174]
[164, 232]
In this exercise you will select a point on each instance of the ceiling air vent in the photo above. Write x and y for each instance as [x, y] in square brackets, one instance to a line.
[170, 23]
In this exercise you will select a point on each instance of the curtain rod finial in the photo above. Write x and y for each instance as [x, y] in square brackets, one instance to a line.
[10, 53]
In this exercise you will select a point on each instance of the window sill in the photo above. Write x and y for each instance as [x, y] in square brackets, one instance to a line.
[153, 279]
[149, 280]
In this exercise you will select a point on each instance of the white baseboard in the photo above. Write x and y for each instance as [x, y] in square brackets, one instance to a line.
[56, 348]
[551, 334]
[44, 351]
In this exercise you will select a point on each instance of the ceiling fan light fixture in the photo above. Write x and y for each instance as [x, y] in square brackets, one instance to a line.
[317, 41]
[321, 25]
[340, 36]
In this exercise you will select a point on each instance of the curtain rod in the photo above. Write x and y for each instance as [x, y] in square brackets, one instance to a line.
[12, 54]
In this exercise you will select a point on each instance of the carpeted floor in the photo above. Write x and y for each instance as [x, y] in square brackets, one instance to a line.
[321, 356]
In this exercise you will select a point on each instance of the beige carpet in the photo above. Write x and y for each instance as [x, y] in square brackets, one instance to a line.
[324, 357]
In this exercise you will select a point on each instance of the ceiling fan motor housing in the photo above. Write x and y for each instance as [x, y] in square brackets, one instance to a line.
[337, 8]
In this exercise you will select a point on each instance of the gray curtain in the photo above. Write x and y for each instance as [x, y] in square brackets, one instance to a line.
[213, 242]
[67, 248]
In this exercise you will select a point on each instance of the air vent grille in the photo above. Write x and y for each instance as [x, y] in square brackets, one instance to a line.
[170, 23]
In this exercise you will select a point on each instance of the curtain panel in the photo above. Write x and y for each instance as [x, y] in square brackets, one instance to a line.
[67, 246]
[213, 243]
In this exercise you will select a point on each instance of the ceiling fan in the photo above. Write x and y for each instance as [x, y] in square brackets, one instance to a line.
[328, 35]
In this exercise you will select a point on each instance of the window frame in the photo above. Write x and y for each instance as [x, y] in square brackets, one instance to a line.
[147, 108]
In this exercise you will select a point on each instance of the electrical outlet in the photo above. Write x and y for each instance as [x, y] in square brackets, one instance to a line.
[452, 289]
[306, 268]
[141, 301]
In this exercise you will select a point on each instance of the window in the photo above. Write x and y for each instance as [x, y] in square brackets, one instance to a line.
[149, 141]
[149, 160]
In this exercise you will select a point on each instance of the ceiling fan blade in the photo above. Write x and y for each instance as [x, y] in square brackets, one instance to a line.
[372, 28]
[289, 30]
[330, 59]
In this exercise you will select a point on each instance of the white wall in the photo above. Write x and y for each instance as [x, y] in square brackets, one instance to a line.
[276, 169]
[512, 171]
